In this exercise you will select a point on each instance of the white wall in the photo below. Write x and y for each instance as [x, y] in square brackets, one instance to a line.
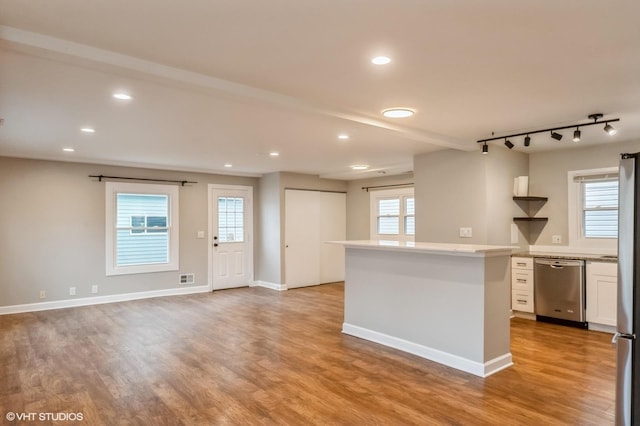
[52, 230]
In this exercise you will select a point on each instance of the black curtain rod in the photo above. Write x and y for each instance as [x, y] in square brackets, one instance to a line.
[181, 182]
[367, 188]
[613, 120]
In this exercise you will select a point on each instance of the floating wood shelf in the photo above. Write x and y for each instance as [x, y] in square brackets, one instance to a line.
[530, 219]
[530, 198]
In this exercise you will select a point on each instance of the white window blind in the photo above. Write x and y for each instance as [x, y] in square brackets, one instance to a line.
[389, 216]
[600, 207]
[409, 216]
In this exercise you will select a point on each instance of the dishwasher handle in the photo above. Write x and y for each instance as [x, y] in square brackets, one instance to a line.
[559, 263]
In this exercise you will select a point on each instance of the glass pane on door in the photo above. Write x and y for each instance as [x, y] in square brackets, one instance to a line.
[230, 219]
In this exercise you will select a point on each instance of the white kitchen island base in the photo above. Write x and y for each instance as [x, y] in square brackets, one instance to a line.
[444, 302]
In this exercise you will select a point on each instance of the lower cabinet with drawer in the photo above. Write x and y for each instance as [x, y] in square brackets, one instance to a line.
[522, 284]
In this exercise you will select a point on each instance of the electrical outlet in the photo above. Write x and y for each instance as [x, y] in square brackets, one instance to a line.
[466, 233]
[72, 291]
[94, 289]
[556, 239]
[43, 294]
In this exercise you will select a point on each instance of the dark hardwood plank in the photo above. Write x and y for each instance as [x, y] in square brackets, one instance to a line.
[256, 356]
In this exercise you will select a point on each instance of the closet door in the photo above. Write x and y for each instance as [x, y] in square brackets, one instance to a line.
[311, 219]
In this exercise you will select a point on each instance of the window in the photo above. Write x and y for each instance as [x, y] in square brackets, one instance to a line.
[231, 219]
[593, 208]
[393, 214]
[600, 208]
[141, 228]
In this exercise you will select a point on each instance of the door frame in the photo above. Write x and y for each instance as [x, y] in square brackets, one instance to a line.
[248, 230]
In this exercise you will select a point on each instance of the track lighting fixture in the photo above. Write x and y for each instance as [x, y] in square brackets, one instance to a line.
[610, 129]
[577, 134]
[557, 136]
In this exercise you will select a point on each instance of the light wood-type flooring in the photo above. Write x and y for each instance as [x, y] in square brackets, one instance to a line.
[256, 356]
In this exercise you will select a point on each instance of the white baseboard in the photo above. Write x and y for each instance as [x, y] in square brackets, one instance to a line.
[479, 369]
[98, 300]
[267, 284]
[525, 315]
[602, 327]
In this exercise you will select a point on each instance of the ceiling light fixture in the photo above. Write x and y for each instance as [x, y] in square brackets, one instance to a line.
[576, 134]
[557, 136]
[228, 165]
[398, 112]
[343, 136]
[381, 60]
[68, 149]
[508, 143]
[610, 129]
[88, 130]
[274, 154]
[485, 148]
[360, 167]
[122, 96]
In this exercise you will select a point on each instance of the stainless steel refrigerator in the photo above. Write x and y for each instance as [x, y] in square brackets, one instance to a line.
[628, 351]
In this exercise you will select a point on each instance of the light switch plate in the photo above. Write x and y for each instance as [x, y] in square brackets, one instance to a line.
[556, 239]
[200, 234]
[466, 233]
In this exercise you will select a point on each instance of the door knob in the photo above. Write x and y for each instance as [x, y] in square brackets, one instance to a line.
[215, 244]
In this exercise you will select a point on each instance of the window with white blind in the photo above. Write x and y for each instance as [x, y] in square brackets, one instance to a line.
[593, 208]
[600, 208]
[393, 214]
[141, 228]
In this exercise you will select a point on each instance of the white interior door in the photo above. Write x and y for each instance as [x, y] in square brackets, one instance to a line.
[311, 219]
[231, 236]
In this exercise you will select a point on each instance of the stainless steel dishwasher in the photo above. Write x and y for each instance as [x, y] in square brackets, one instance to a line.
[559, 289]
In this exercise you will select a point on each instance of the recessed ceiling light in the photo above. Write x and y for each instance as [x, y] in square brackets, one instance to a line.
[228, 165]
[360, 167]
[88, 130]
[274, 154]
[68, 149]
[381, 60]
[343, 136]
[122, 96]
[398, 112]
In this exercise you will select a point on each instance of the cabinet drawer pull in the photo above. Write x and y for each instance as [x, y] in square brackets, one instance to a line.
[521, 264]
[521, 280]
[521, 301]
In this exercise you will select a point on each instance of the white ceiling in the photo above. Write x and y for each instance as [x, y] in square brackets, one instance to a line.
[222, 81]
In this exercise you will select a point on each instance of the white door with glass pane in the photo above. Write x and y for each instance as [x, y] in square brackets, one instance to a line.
[393, 214]
[231, 236]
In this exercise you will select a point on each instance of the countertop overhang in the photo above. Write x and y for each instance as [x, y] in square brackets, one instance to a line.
[473, 250]
[568, 256]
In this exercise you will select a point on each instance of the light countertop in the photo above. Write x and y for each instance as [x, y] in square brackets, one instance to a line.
[569, 256]
[424, 247]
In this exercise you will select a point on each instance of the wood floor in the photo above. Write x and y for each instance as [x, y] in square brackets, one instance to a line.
[257, 356]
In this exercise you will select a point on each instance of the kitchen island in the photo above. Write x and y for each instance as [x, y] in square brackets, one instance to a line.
[448, 303]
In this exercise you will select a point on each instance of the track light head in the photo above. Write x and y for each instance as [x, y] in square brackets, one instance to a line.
[508, 143]
[610, 129]
[576, 135]
[485, 149]
[527, 140]
[557, 136]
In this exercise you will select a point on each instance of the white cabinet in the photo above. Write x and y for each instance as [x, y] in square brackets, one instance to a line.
[602, 286]
[522, 284]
